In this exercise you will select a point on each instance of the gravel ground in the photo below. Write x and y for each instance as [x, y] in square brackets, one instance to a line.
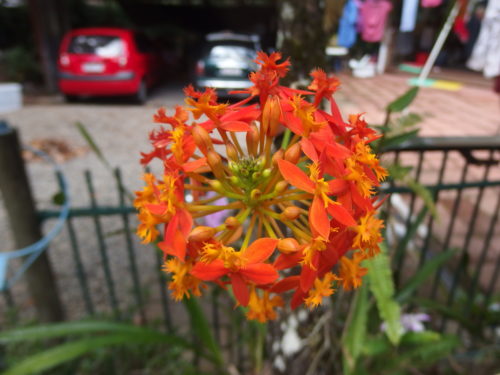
[120, 129]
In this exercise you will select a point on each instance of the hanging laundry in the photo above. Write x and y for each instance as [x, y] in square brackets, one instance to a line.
[474, 26]
[459, 26]
[373, 16]
[486, 53]
[431, 3]
[347, 24]
[408, 16]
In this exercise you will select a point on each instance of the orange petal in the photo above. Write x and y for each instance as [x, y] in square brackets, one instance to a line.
[309, 149]
[286, 284]
[295, 176]
[337, 186]
[210, 271]
[307, 277]
[242, 113]
[174, 245]
[235, 126]
[318, 218]
[194, 165]
[336, 116]
[293, 123]
[185, 221]
[337, 151]
[156, 209]
[340, 214]
[260, 250]
[284, 261]
[260, 273]
[298, 298]
[240, 289]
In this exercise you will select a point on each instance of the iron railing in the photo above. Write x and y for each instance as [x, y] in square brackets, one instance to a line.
[461, 175]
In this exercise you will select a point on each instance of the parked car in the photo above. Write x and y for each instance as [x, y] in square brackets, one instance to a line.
[106, 62]
[226, 61]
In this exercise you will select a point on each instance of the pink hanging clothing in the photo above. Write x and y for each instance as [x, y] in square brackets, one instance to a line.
[373, 16]
[431, 3]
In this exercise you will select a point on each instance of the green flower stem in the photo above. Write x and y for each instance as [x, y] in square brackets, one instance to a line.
[286, 139]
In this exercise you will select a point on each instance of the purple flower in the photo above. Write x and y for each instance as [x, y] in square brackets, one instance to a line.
[217, 218]
[411, 322]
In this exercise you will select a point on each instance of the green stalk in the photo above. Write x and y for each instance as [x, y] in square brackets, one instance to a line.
[286, 139]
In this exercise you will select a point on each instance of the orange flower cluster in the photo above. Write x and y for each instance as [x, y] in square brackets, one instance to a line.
[298, 219]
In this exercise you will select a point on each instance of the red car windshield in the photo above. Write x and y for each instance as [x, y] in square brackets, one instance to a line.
[100, 45]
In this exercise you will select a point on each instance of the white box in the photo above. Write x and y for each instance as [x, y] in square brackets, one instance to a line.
[11, 97]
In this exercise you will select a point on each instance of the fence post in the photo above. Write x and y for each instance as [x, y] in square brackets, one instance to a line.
[25, 226]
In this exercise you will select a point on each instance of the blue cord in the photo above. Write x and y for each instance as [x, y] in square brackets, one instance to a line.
[33, 251]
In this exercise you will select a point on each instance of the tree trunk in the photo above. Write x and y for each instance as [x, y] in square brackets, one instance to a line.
[301, 36]
[49, 20]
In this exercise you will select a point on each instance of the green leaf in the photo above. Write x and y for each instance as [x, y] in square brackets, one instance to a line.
[420, 356]
[409, 120]
[354, 334]
[72, 350]
[382, 286]
[403, 101]
[423, 274]
[398, 172]
[376, 346]
[59, 198]
[92, 144]
[420, 338]
[86, 327]
[202, 330]
[424, 193]
[410, 234]
[390, 141]
[454, 312]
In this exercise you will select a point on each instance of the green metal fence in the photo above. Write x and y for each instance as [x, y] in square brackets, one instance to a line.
[461, 175]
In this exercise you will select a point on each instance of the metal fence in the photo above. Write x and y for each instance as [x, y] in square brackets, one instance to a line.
[462, 177]
[113, 275]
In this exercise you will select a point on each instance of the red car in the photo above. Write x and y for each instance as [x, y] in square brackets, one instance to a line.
[105, 62]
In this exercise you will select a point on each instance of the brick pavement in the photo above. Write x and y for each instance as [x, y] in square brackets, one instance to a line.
[471, 111]
[474, 110]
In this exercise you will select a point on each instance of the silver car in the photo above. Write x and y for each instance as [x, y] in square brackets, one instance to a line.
[226, 61]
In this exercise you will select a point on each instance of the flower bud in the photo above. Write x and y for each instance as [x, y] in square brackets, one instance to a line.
[231, 151]
[215, 162]
[231, 222]
[293, 153]
[271, 116]
[288, 245]
[202, 139]
[260, 162]
[280, 187]
[235, 180]
[290, 213]
[253, 140]
[235, 236]
[278, 155]
[266, 173]
[233, 167]
[201, 233]
[255, 194]
[216, 185]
